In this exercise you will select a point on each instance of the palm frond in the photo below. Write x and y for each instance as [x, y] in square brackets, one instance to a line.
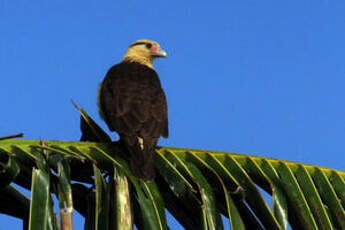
[196, 186]
[203, 185]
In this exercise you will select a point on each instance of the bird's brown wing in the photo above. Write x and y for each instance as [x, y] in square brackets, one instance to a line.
[133, 102]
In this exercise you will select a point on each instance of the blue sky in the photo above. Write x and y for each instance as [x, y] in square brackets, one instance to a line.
[257, 77]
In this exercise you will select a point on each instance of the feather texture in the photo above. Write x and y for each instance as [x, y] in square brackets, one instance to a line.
[132, 102]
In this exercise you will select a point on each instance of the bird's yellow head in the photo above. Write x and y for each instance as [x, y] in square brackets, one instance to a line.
[143, 51]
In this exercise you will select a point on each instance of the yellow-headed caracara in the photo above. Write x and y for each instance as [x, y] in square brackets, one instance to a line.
[132, 102]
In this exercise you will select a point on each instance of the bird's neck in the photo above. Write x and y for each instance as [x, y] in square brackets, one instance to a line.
[133, 57]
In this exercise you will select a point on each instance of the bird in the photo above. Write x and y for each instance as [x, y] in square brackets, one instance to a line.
[132, 102]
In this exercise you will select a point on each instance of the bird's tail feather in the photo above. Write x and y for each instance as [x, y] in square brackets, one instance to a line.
[141, 157]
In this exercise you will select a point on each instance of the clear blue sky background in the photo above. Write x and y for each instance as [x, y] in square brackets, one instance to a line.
[257, 77]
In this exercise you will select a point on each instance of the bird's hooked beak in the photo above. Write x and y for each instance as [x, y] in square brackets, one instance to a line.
[160, 53]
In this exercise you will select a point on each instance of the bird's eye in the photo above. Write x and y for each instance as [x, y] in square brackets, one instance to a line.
[148, 45]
